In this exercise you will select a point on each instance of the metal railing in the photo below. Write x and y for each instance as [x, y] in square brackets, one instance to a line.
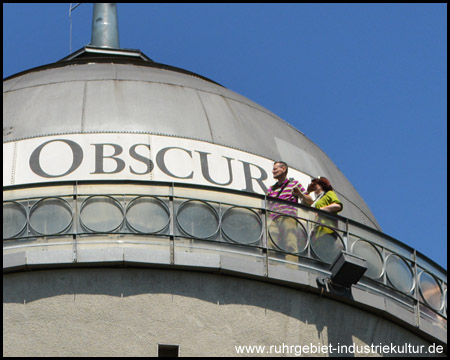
[74, 212]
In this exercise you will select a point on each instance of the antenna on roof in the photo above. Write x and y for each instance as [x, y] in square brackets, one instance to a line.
[105, 29]
[71, 8]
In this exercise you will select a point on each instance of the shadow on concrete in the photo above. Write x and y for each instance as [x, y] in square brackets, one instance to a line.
[336, 323]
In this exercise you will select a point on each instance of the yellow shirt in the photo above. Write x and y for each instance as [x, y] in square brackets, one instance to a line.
[330, 197]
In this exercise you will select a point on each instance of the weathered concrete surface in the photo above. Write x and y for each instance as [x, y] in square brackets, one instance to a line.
[127, 312]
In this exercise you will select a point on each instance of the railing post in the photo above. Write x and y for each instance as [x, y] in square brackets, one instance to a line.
[264, 242]
[171, 223]
[75, 224]
[346, 238]
[416, 290]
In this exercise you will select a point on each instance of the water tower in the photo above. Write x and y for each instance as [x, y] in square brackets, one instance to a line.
[135, 223]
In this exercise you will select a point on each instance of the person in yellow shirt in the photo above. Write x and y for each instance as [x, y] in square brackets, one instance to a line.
[326, 199]
[324, 240]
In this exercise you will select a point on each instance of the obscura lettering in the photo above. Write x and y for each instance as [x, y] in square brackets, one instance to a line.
[117, 163]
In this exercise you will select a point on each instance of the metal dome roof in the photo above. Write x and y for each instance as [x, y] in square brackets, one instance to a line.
[98, 91]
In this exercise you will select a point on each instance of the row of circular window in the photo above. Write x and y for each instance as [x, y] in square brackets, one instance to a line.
[201, 220]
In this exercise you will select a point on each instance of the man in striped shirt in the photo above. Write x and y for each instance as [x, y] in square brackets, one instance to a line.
[287, 189]
[283, 229]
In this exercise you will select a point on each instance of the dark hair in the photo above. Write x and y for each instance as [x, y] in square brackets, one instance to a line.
[282, 163]
[323, 182]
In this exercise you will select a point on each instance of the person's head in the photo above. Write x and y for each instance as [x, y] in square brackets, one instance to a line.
[279, 170]
[319, 184]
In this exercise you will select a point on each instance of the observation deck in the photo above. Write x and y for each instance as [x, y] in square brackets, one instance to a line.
[201, 228]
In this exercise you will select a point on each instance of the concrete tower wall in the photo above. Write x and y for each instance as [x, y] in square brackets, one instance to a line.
[128, 312]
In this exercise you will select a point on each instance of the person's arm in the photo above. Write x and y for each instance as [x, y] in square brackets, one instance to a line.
[332, 208]
[307, 199]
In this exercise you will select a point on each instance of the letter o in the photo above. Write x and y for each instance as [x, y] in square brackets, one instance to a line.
[77, 157]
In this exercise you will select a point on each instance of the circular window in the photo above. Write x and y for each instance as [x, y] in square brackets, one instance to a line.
[445, 301]
[372, 256]
[101, 214]
[326, 244]
[241, 225]
[399, 273]
[197, 219]
[148, 215]
[430, 290]
[288, 234]
[14, 219]
[51, 216]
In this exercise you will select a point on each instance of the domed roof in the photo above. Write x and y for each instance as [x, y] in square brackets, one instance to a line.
[99, 91]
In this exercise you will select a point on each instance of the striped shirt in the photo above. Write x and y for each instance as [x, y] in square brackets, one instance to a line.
[285, 191]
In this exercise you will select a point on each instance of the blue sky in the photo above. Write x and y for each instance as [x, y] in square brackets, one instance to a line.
[366, 82]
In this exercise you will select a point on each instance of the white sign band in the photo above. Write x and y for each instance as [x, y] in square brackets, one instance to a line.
[136, 157]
